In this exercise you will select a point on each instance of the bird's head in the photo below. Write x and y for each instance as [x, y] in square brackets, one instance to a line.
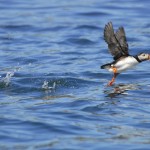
[143, 56]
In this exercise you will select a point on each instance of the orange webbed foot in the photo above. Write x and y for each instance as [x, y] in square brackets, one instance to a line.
[111, 82]
[114, 77]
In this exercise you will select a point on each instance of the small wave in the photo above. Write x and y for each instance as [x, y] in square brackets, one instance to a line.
[18, 27]
[95, 14]
[95, 75]
[24, 60]
[74, 53]
[88, 27]
[80, 41]
[133, 39]
[6, 37]
[52, 29]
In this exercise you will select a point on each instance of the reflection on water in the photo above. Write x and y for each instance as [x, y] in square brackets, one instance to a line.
[118, 89]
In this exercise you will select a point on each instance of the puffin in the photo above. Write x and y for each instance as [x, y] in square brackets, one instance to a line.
[118, 48]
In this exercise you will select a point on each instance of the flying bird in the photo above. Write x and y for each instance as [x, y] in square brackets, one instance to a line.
[118, 47]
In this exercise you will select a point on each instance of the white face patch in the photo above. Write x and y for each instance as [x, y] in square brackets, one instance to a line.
[143, 56]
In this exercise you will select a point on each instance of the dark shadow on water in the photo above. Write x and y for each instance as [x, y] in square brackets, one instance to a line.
[120, 89]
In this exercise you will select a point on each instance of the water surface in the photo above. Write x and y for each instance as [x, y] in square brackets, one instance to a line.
[55, 95]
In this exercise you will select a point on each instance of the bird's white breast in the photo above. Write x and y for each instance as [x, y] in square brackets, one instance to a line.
[125, 63]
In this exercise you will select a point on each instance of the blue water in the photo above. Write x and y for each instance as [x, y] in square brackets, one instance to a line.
[53, 92]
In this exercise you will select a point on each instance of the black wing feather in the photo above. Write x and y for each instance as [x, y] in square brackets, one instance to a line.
[117, 42]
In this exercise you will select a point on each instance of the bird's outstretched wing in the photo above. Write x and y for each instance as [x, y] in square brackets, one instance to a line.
[117, 42]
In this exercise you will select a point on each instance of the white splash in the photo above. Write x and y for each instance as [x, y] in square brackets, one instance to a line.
[6, 79]
[46, 87]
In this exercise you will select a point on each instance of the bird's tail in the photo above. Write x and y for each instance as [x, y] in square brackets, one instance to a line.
[106, 66]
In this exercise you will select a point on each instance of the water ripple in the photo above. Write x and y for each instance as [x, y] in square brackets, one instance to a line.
[95, 14]
[57, 96]
[88, 27]
[80, 41]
